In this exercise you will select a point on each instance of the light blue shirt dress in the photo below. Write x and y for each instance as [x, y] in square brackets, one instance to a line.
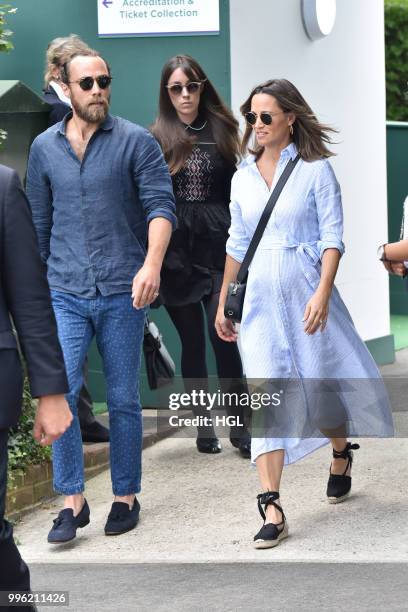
[283, 276]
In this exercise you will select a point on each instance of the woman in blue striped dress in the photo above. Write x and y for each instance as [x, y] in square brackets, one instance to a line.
[297, 336]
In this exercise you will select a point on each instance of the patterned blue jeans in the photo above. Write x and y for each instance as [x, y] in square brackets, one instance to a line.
[118, 329]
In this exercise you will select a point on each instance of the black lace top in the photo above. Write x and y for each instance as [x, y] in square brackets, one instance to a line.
[195, 259]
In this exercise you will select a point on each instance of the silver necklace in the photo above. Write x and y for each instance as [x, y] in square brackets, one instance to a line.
[197, 129]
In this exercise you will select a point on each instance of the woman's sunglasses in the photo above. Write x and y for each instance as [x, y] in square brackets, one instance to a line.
[86, 83]
[265, 117]
[191, 87]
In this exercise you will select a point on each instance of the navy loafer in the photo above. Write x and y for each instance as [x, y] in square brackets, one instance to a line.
[66, 524]
[121, 519]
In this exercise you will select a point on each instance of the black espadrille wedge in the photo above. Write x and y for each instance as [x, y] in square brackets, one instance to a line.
[270, 534]
[339, 485]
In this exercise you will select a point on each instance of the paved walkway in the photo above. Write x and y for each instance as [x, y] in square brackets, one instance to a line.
[229, 587]
[200, 509]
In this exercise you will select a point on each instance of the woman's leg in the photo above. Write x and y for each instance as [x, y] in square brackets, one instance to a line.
[189, 322]
[227, 357]
[338, 465]
[331, 418]
[230, 372]
[270, 466]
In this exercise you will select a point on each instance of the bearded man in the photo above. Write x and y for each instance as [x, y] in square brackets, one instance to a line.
[59, 51]
[98, 186]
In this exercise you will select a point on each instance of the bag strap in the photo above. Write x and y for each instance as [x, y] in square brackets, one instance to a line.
[146, 323]
[263, 222]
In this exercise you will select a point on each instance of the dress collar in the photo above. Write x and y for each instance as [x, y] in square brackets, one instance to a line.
[290, 151]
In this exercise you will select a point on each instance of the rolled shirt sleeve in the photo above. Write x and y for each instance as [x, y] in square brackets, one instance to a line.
[329, 210]
[153, 180]
[238, 241]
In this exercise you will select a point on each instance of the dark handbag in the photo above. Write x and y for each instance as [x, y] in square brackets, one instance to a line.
[160, 367]
[234, 303]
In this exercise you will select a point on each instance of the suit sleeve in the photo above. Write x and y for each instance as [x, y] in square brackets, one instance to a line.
[28, 297]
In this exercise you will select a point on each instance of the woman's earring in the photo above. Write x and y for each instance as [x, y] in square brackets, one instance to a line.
[291, 130]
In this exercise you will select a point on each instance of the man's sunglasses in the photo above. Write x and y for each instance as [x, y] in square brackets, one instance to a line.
[191, 87]
[265, 117]
[86, 83]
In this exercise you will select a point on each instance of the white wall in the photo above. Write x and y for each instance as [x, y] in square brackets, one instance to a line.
[343, 79]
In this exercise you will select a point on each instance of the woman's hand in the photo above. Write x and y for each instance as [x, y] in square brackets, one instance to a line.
[316, 311]
[225, 327]
[398, 268]
[388, 265]
[395, 267]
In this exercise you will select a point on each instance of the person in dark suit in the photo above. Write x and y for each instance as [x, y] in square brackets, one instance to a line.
[58, 107]
[24, 294]
[59, 51]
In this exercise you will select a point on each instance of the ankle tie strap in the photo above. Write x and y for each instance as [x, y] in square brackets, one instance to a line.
[268, 499]
[345, 453]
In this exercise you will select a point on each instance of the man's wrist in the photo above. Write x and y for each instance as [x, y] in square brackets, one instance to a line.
[45, 399]
[154, 262]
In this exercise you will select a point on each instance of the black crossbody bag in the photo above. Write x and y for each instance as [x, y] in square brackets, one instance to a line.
[236, 290]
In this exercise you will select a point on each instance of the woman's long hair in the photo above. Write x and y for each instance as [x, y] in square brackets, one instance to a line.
[309, 135]
[171, 133]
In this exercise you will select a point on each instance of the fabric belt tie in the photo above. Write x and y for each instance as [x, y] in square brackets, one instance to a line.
[307, 253]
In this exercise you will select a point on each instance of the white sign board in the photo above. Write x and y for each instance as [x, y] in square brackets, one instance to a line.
[158, 17]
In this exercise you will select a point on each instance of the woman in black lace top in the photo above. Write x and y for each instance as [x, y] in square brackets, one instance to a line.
[199, 138]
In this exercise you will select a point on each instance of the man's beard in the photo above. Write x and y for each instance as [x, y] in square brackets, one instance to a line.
[92, 113]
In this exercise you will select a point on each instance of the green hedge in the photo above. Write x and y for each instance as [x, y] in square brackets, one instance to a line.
[23, 450]
[396, 58]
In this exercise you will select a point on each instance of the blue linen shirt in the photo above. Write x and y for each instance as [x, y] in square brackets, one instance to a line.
[91, 216]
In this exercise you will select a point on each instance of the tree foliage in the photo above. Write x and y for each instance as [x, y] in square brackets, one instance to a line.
[5, 43]
[5, 34]
[396, 58]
